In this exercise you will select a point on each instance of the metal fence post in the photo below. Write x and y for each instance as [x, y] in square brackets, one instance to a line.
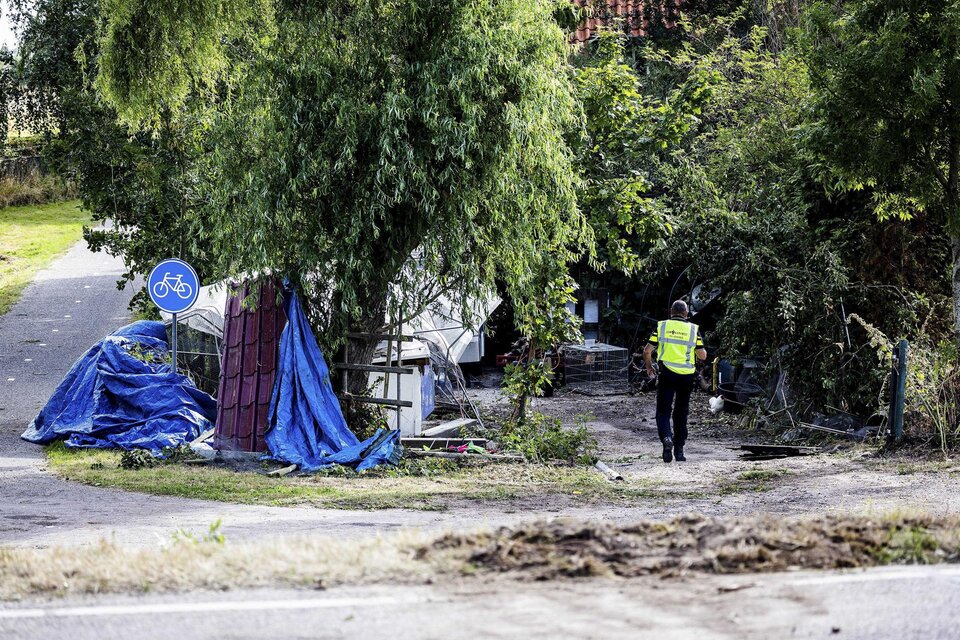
[898, 390]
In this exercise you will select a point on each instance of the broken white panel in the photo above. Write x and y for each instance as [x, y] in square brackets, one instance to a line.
[207, 314]
[418, 388]
[442, 326]
[475, 350]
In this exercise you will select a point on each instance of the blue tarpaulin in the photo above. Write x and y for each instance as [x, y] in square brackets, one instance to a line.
[307, 427]
[110, 398]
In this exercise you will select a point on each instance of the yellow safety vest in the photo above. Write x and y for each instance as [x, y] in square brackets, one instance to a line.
[676, 345]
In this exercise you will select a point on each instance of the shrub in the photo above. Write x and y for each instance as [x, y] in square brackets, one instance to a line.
[932, 403]
[144, 458]
[541, 438]
[35, 189]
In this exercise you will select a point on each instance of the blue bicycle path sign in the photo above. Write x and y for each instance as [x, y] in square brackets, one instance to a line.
[173, 286]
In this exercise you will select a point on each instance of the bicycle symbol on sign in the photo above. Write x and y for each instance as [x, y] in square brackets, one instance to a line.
[170, 284]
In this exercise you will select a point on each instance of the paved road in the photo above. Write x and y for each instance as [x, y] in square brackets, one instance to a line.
[66, 307]
[909, 603]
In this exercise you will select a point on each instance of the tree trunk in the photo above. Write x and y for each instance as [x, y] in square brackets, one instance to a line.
[523, 400]
[361, 351]
[955, 246]
[952, 189]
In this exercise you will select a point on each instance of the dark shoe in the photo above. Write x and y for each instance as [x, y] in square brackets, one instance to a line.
[668, 450]
[678, 454]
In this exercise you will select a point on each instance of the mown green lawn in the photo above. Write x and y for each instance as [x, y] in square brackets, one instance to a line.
[421, 485]
[31, 237]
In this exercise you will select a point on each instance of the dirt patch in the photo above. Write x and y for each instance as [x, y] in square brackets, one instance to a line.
[544, 551]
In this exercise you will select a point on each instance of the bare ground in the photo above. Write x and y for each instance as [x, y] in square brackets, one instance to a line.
[846, 479]
[46, 511]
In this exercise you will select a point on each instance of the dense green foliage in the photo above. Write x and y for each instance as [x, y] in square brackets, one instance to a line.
[755, 211]
[629, 135]
[138, 181]
[360, 145]
[886, 106]
[758, 225]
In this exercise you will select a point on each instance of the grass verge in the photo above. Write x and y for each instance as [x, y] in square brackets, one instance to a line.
[30, 238]
[543, 551]
[416, 484]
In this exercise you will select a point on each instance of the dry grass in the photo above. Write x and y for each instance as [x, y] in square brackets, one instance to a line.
[35, 189]
[186, 565]
[555, 550]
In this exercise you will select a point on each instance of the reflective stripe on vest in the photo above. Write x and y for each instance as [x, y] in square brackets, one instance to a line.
[677, 341]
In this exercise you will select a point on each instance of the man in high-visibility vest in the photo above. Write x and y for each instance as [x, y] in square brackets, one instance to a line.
[678, 346]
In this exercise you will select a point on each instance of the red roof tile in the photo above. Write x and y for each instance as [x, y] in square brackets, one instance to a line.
[634, 15]
[251, 343]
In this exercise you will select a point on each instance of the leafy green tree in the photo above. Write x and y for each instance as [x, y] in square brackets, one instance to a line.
[139, 181]
[361, 147]
[629, 134]
[752, 220]
[885, 76]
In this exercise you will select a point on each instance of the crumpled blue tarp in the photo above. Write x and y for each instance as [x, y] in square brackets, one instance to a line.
[110, 399]
[307, 427]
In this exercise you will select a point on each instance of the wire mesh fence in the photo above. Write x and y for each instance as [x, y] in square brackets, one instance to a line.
[596, 368]
[198, 357]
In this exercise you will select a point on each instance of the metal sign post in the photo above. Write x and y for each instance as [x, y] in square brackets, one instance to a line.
[173, 343]
[173, 286]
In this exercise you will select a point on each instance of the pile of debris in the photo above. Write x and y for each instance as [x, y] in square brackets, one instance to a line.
[560, 548]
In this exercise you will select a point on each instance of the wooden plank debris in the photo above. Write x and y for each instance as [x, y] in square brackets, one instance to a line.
[360, 335]
[779, 449]
[453, 455]
[373, 368]
[384, 401]
[451, 429]
[441, 443]
[203, 437]
[760, 452]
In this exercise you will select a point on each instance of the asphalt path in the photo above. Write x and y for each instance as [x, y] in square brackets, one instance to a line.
[904, 603]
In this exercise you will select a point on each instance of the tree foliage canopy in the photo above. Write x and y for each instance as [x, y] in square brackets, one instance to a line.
[350, 136]
[886, 106]
[886, 99]
[140, 181]
[752, 218]
[630, 133]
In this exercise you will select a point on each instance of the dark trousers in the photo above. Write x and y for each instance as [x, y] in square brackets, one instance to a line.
[673, 395]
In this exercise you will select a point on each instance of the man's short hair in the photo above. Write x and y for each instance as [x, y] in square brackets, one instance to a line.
[679, 308]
